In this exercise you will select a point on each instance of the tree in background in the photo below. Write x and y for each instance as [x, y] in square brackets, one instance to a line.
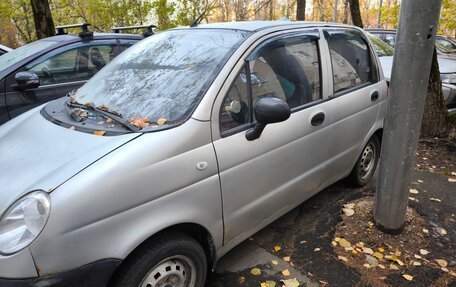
[356, 13]
[301, 10]
[44, 25]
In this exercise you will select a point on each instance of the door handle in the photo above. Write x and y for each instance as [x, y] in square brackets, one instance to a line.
[374, 96]
[318, 119]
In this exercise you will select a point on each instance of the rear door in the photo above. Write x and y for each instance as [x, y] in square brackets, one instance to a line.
[264, 178]
[60, 72]
[356, 99]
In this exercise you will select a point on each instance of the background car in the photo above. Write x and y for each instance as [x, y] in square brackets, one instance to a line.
[187, 144]
[447, 69]
[49, 68]
[4, 49]
[445, 48]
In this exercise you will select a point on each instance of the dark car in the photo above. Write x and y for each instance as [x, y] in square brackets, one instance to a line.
[49, 68]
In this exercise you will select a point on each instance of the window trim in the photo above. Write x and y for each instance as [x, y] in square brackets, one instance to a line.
[373, 60]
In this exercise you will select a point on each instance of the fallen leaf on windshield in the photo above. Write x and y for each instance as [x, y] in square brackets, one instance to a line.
[268, 284]
[99, 133]
[277, 248]
[88, 104]
[275, 262]
[72, 128]
[109, 120]
[286, 258]
[103, 107]
[140, 122]
[255, 271]
[161, 121]
[100, 123]
[290, 282]
[286, 272]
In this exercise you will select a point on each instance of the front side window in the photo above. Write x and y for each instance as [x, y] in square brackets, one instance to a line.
[350, 59]
[287, 69]
[78, 64]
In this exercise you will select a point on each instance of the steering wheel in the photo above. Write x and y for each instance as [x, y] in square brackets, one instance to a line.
[47, 74]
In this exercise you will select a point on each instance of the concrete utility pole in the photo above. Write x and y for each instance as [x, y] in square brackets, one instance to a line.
[418, 22]
[379, 24]
[336, 2]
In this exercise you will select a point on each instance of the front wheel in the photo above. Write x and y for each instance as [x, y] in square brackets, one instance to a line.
[367, 163]
[171, 260]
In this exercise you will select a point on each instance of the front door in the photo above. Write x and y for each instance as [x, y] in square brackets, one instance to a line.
[264, 178]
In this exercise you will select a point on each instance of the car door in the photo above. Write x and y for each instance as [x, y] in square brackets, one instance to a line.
[264, 178]
[356, 99]
[60, 72]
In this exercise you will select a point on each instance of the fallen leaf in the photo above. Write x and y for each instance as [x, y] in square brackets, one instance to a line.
[381, 266]
[317, 249]
[368, 250]
[275, 262]
[344, 243]
[424, 252]
[367, 265]
[425, 230]
[452, 179]
[337, 239]
[381, 249]
[286, 258]
[453, 173]
[407, 277]
[354, 252]
[323, 283]
[348, 212]
[420, 181]
[255, 271]
[442, 231]
[268, 284]
[277, 248]
[435, 199]
[416, 263]
[342, 258]
[371, 260]
[378, 255]
[241, 279]
[414, 191]
[334, 243]
[441, 262]
[99, 133]
[286, 272]
[393, 267]
[452, 273]
[417, 256]
[72, 128]
[445, 269]
[291, 282]
[140, 122]
[109, 120]
[161, 121]
[302, 242]
[100, 123]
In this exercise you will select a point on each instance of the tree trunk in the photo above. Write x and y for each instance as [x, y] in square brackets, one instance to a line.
[434, 122]
[44, 25]
[345, 15]
[356, 13]
[301, 10]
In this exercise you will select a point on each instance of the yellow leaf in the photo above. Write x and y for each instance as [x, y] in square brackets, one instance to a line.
[268, 284]
[290, 282]
[334, 243]
[255, 271]
[344, 243]
[348, 211]
[425, 230]
[161, 121]
[414, 191]
[381, 266]
[277, 248]
[317, 249]
[354, 252]
[442, 231]
[417, 256]
[109, 120]
[452, 179]
[99, 133]
[407, 277]
[378, 255]
[399, 262]
[424, 252]
[441, 262]
[286, 258]
[275, 262]
[342, 258]
[452, 273]
[381, 249]
[416, 263]
[286, 272]
[337, 239]
[368, 250]
[445, 269]
[367, 265]
[393, 267]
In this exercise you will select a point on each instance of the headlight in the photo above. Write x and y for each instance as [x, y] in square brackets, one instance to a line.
[23, 222]
[448, 78]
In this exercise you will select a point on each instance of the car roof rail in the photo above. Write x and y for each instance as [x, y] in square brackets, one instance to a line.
[148, 29]
[85, 32]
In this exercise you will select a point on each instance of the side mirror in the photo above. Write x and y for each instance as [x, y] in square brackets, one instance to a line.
[26, 80]
[268, 110]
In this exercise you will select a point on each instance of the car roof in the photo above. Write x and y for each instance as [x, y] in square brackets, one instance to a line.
[95, 36]
[255, 26]
[373, 30]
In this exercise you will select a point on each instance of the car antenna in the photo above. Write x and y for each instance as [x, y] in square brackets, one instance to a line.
[195, 23]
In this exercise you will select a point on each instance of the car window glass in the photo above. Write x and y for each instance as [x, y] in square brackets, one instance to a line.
[390, 39]
[351, 62]
[19, 54]
[78, 64]
[287, 69]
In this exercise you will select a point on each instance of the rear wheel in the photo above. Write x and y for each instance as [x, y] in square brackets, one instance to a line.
[367, 163]
[170, 260]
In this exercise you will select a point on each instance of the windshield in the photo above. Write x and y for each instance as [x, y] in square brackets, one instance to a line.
[381, 48]
[11, 58]
[162, 78]
[445, 46]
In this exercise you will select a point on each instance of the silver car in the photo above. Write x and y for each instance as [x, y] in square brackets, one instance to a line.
[181, 148]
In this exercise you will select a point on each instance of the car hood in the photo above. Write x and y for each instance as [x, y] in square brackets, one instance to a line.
[445, 66]
[37, 154]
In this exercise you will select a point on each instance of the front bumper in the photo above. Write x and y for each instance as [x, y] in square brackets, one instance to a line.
[96, 274]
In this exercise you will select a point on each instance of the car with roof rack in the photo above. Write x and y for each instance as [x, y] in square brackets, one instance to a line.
[181, 148]
[49, 68]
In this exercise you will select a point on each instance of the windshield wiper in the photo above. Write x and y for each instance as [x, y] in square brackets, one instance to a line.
[106, 114]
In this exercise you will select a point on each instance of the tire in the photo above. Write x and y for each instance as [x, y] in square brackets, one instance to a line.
[366, 164]
[174, 257]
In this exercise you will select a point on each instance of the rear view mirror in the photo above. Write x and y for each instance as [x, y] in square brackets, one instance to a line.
[268, 110]
[26, 80]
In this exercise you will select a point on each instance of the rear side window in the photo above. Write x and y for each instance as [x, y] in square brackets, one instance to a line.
[350, 59]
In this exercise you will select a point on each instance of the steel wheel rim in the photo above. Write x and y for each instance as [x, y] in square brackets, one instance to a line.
[174, 271]
[367, 162]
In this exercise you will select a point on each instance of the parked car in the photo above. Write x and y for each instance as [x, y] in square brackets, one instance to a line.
[441, 43]
[49, 68]
[4, 49]
[181, 148]
[447, 69]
